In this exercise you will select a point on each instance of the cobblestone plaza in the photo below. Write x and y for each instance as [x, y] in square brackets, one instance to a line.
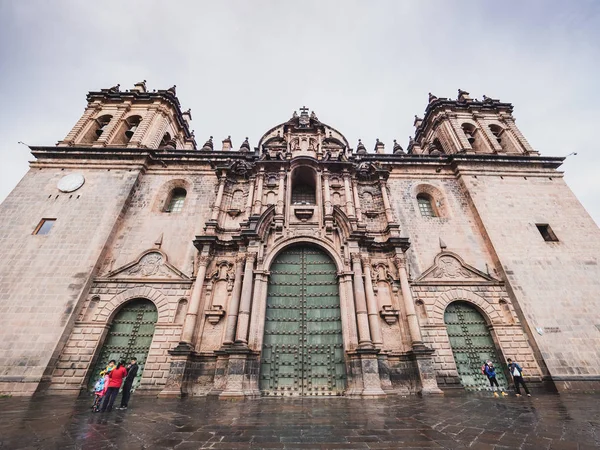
[545, 421]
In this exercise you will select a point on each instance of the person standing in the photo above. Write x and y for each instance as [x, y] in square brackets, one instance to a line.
[115, 380]
[490, 372]
[132, 371]
[517, 374]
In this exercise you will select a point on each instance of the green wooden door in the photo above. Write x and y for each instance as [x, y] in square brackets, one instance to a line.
[472, 345]
[303, 352]
[130, 335]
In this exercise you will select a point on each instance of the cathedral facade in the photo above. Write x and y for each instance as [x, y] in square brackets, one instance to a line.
[300, 267]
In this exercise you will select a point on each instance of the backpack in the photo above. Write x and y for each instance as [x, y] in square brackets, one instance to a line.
[483, 369]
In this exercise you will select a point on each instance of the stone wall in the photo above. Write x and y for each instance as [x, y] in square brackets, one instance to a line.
[455, 223]
[556, 284]
[43, 278]
[493, 303]
[146, 223]
[106, 297]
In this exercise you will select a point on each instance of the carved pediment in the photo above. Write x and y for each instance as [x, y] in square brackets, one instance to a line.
[151, 264]
[448, 266]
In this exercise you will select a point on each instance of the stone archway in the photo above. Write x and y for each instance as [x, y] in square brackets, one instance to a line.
[472, 344]
[303, 351]
[130, 335]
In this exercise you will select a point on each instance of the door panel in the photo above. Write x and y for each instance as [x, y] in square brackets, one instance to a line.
[303, 347]
[130, 335]
[472, 345]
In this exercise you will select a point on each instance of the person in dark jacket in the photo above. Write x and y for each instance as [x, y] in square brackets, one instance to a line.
[132, 371]
[517, 374]
[490, 372]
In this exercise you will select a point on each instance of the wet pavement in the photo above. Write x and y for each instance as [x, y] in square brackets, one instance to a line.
[469, 421]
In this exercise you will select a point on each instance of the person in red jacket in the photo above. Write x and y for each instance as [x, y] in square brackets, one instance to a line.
[115, 380]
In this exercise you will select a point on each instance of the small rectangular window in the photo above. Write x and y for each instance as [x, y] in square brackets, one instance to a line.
[44, 226]
[546, 232]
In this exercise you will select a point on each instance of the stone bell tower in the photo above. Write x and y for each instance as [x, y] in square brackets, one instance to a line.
[136, 118]
[468, 126]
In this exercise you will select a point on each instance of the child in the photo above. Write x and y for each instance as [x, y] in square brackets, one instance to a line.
[99, 390]
[101, 386]
[490, 371]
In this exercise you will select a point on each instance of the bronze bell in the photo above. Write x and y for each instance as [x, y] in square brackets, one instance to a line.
[129, 133]
[100, 130]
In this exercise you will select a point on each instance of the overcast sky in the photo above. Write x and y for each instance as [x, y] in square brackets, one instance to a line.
[364, 67]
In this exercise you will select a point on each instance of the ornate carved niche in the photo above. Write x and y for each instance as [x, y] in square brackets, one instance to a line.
[219, 289]
[384, 286]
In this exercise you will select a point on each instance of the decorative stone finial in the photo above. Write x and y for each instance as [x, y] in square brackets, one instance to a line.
[398, 150]
[360, 148]
[208, 145]
[115, 88]
[418, 121]
[172, 90]
[245, 147]
[442, 245]
[379, 146]
[432, 97]
[227, 143]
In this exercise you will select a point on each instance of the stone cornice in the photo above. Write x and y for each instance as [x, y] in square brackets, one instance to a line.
[216, 157]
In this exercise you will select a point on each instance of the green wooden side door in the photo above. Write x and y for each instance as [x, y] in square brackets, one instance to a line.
[472, 345]
[303, 352]
[130, 335]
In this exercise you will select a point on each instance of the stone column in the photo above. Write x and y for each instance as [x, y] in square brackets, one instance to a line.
[373, 314]
[217, 206]
[409, 304]
[364, 336]
[422, 355]
[234, 307]
[246, 301]
[327, 193]
[348, 194]
[389, 214]
[192, 314]
[356, 200]
[281, 193]
[259, 192]
[250, 199]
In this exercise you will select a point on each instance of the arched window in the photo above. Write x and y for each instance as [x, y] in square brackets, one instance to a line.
[469, 131]
[497, 132]
[96, 130]
[168, 142]
[127, 130]
[435, 148]
[175, 203]
[303, 195]
[303, 187]
[426, 205]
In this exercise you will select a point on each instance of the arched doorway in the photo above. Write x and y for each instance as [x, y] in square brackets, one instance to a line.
[130, 335]
[472, 345]
[303, 352]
